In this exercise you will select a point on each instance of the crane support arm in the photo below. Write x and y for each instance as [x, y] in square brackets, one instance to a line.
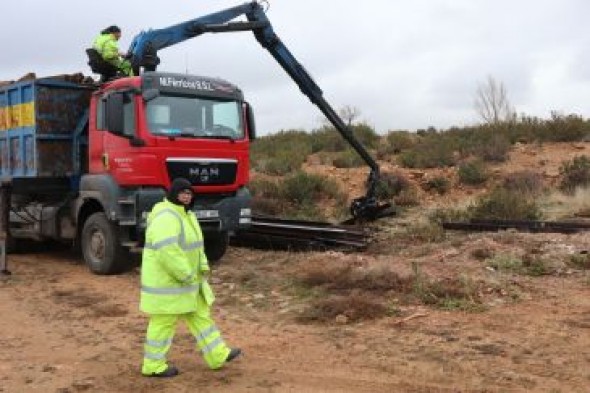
[143, 53]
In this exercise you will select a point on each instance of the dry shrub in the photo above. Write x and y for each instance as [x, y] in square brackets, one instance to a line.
[391, 184]
[267, 206]
[575, 174]
[339, 276]
[439, 184]
[473, 173]
[482, 253]
[502, 204]
[304, 188]
[580, 261]
[395, 143]
[525, 182]
[438, 292]
[408, 197]
[348, 159]
[355, 307]
[428, 232]
[560, 206]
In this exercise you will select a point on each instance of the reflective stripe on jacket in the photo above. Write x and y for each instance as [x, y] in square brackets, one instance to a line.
[107, 46]
[173, 262]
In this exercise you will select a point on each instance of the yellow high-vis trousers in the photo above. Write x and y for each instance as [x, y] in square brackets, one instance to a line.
[160, 333]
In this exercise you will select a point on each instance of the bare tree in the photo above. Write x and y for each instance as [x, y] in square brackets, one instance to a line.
[349, 113]
[491, 102]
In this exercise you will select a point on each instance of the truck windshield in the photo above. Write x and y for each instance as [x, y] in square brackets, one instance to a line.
[194, 117]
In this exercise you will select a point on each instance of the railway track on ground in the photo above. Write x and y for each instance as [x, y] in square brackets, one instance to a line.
[534, 226]
[280, 234]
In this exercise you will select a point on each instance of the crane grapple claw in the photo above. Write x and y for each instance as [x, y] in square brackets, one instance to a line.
[369, 209]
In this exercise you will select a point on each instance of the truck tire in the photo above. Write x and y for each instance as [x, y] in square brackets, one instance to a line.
[101, 248]
[216, 245]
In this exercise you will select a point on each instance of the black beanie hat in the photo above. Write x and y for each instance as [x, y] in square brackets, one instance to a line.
[111, 29]
[178, 185]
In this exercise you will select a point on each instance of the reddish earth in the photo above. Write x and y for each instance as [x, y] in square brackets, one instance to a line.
[64, 330]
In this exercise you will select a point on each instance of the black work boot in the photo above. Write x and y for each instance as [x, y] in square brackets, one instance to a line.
[170, 371]
[233, 353]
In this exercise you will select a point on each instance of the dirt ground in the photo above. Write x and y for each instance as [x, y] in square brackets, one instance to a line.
[64, 330]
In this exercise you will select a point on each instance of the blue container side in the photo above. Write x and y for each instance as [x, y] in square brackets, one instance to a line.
[40, 120]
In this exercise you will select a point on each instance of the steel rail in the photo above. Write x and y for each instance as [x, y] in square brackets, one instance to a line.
[277, 233]
[534, 226]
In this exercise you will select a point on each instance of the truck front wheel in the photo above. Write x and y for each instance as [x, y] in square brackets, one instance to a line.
[101, 247]
[216, 245]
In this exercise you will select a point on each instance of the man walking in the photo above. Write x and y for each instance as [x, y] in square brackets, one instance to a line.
[173, 284]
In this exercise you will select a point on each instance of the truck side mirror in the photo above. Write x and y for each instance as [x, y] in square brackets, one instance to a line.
[114, 116]
[250, 123]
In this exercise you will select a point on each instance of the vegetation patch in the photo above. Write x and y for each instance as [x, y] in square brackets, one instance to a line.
[503, 204]
[575, 173]
[300, 195]
[346, 308]
[472, 173]
[440, 184]
[580, 261]
[358, 292]
[525, 182]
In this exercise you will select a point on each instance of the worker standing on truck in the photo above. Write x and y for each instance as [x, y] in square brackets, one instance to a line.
[107, 45]
[174, 285]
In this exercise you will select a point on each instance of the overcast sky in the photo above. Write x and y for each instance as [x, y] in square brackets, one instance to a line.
[403, 64]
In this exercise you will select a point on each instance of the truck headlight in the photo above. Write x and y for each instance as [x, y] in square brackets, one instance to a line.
[246, 212]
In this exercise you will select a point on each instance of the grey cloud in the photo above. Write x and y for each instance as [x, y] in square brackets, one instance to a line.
[404, 64]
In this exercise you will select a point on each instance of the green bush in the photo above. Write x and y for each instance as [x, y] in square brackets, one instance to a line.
[562, 128]
[580, 261]
[400, 140]
[493, 148]
[430, 152]
[502, 204]
[327, 139]
[298, 196]
[439, 184]
[263, 188]
[407, 197]
[391, 185]
[281, 153]
[348, 159]
[440, 215]
[366, 135]
[303, 188]
[575, 173]
[282, 163]
[472, 173]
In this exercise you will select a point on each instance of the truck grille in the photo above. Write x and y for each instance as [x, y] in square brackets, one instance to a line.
[203, 171]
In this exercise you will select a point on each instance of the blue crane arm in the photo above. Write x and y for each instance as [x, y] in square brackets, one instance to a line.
[144, 48]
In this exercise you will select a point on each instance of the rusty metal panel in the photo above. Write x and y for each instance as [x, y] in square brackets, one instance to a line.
[59, 110]
[54, 158]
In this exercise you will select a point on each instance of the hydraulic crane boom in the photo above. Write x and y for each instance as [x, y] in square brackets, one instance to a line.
[145, 46]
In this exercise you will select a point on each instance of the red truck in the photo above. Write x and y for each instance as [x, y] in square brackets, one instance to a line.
[86, 164]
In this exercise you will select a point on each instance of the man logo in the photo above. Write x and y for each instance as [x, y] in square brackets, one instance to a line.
[204, 174]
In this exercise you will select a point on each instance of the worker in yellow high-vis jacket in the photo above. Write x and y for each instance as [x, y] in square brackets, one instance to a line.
[174, 286]
[107, 45]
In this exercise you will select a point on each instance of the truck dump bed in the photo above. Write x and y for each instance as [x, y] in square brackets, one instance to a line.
[42, 127]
